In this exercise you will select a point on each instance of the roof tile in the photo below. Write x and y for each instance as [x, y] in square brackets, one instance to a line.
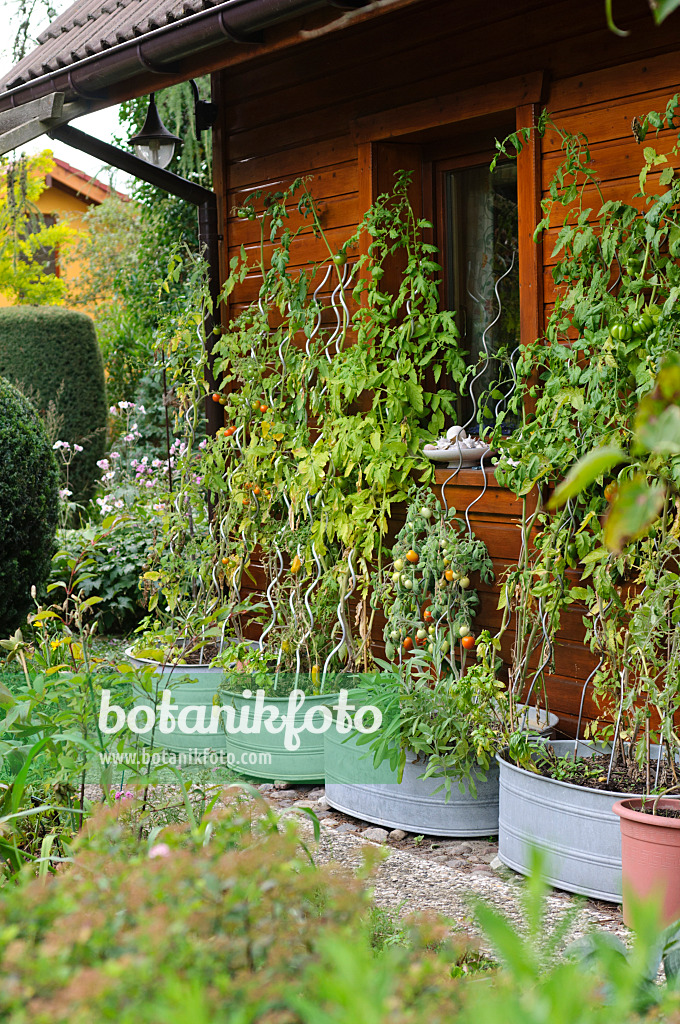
[89, 27]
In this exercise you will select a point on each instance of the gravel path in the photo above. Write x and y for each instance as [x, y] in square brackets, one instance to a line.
[425, 874]
[428, 874]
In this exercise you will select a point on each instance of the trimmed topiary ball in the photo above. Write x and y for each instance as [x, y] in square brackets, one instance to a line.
[53, 356]
[29, 506]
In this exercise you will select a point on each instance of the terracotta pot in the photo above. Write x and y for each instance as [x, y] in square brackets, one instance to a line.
[650, 856]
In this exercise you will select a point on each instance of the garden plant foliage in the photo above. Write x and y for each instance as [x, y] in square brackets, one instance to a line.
[29, 507]
[52, 354]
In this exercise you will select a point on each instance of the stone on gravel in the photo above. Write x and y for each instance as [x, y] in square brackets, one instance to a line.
[316, 794]
[457, 849]
[376, 835]
[397, 834]
[328, 822]
[282, 785]
[265, 787]
[346, 828]
[322, 803]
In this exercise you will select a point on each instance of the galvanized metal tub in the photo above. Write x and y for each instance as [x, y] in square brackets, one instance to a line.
[574, 826]
[412, 804]
[263, 755]
[191, 686]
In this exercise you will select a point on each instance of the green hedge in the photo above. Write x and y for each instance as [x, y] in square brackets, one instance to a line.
[53, 356]
[29, 505]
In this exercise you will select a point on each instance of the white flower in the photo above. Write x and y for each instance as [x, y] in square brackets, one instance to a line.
[60, 444]
[118, 504]
[113, 409]
[203, 444]
[140, 408]
[64, 493]
[103, 463]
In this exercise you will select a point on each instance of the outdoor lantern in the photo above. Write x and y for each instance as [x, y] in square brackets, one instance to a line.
[154, 143]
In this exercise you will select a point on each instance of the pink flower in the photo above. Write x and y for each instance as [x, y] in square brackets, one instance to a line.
[159, 850]
[77, 447]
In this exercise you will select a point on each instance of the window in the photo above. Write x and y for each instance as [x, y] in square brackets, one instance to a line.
[481, 261]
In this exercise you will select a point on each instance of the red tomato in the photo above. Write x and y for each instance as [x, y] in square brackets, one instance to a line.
[468, 642]
[408, 644]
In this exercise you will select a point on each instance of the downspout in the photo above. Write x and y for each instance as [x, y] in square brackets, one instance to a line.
[206, 202]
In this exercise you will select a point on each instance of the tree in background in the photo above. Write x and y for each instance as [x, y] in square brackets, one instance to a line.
[28, 245]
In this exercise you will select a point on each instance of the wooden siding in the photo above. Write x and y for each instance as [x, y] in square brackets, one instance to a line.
[429, 81]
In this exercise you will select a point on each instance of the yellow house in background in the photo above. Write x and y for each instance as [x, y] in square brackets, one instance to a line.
[68, 195]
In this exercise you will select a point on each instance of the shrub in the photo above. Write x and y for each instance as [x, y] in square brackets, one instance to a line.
[53, 356]
[116, 562]
[29, 505]
[230, 922]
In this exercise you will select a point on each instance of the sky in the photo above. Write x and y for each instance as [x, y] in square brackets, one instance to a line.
[103, 124]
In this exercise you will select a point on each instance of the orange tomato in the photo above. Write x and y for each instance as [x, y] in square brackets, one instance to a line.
[256, 490]
[230, 431]
[216, 398]
[412, 556]
[448, 575]
[427, 615]
[468, 642]
[408, 644]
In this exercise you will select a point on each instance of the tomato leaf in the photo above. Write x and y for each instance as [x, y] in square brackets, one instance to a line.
[585, 472]
[636, 507]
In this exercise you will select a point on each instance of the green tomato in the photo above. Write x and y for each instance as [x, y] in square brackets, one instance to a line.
[395, 577]
[426, 512]
[647, 320]
[406, 583]
[638, 327]
[432, 630]
[394, 635]
[421, 634]
[446, 647]
[430, 648]
[399, 564]
[463, 631]
[464, 582]
[615, 331]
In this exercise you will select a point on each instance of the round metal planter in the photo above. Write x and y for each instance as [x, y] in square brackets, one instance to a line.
[355, 787]
[574, 826]
[191, 686]
[412, 804]
[264, 755]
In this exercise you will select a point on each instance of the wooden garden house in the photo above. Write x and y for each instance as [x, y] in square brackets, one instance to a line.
[348, 92]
